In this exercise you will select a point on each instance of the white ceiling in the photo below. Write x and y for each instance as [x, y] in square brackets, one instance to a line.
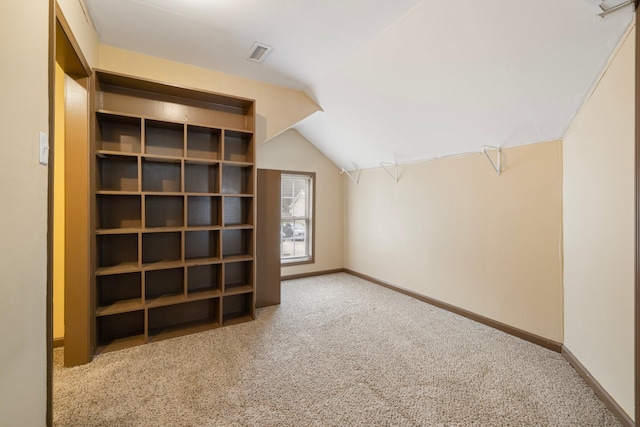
[400, 80]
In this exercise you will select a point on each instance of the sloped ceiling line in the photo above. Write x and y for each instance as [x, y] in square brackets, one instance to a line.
[421, 79]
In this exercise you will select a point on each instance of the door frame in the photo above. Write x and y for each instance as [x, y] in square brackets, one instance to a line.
[64, 50]
[637, 222]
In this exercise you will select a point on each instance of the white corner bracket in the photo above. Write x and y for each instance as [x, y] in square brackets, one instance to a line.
[356, 179]
[394, 175]
[616, 8]
[496, 165]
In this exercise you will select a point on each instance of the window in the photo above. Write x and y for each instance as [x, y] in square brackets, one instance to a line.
[297, 207]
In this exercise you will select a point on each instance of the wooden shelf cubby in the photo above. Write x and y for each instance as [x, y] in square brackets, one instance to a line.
[161, 175]
[237, 179]
[204, 278]
[203, 143]
[117, 173]
[115, 212]
[238, 211]
[163, 138]
[201, 177]
[237, 308]
[238, 146]
[202, 245]
[203, 211]
[163, 283]
[173, 211]
[118, 133]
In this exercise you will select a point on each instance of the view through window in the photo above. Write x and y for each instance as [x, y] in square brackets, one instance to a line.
[296, 217]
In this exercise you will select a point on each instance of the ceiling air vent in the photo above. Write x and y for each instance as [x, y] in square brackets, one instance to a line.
[258, 52]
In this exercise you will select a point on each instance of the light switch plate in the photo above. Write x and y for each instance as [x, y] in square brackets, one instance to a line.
[44, 148]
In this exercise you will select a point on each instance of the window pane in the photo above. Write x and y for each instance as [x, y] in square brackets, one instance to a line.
[295, 212]
[294, 196]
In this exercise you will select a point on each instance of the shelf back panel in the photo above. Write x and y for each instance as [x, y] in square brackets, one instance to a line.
[171, 109]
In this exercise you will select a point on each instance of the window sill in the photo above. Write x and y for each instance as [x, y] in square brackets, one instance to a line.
[297, 261]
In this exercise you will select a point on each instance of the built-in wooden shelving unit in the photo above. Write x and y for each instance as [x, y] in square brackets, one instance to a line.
[173, 211]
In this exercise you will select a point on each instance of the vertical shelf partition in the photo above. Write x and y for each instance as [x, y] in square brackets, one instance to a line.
[173, 211]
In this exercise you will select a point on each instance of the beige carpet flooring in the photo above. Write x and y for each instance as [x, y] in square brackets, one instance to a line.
[338, 351]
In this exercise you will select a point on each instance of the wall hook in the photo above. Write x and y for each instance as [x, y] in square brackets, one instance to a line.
[616, 8]
[498, 166]
[394, 175]
[356, 179]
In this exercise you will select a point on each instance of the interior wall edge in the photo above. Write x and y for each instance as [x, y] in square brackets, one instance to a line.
[602, 394]
[511, 330]
[311, 274]
[585, 101]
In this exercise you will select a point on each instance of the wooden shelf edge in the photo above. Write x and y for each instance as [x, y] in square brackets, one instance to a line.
[161, 158]
[203, 228]
[118, 269]
[238, 227]
[247, 132]
[118, 113]
[201, 161]
[121, 343]
[237, 258]
[236, 318]
[162, 265]
[238, 290]
[111, 153]
[237, 163]
[149, 230]
[202, 261]
[117, 193]
[236, 194]
[118, 307]
[180, 330]
[107, 231]
[163, 300]
[200, 295]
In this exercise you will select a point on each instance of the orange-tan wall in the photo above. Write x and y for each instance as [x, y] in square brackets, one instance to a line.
[290, 151]
[74, 12]
[58, 208]
[24, 108]
[599, 229]
[451, 229]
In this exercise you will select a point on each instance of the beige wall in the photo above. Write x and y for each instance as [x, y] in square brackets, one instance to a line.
[24, 38]
[277, 108]
[451, 229]
[291, 151]
[599, 230]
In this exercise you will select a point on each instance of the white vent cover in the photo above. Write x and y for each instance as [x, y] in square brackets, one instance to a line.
[258, 52]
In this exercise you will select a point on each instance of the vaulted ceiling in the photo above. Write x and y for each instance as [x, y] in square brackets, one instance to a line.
[400, 80]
